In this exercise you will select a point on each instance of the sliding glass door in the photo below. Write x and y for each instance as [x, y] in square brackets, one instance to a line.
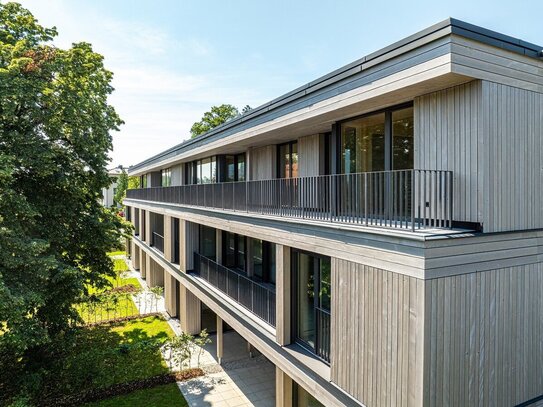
[312, 295]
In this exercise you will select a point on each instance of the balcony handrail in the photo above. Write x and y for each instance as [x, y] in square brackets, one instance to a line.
[262, 305]
[408, 199]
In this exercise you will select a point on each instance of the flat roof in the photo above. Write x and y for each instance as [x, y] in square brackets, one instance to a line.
[448, 27]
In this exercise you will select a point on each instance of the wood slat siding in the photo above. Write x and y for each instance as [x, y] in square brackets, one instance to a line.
[490, 135]
[262, 164]
[377, 334]
[191, 240]
[484, 333]
[309, 156]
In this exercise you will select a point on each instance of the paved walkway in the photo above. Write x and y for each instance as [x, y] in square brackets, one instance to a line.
[241, 380]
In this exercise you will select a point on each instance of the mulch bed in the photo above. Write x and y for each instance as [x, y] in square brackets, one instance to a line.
[122, 388]
[128, 288]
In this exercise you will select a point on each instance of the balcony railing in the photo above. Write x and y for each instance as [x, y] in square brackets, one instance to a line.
[322, 346]
[157, 241]
[257, 298]
[408, 199]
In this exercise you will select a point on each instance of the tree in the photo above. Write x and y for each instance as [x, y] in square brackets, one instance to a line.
[122, 185]
[246, 109]
[55, 124]
[215, 117]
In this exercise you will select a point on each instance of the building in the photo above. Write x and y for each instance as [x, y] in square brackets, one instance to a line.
[376, 233]
[108, 194]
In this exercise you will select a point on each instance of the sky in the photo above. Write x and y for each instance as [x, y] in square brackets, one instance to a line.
[173, 60]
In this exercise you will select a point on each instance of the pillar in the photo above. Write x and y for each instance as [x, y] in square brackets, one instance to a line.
[283, 389]
[190, 309]
[155, 274]
[170, 294]
[135, 256]
[283, 294]
[140, 221]
[220, 339]
[148, 232]
[168, 238]
[143, 264]
[218, 248]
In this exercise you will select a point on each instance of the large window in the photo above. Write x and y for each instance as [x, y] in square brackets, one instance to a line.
[263, 261]
[378, 142]
[208, 242]
[302, 398]
[234, 249]
[202, 171]
[312, 295]
[288, 160]
[143, 181]
[235, 168]
[166, 177]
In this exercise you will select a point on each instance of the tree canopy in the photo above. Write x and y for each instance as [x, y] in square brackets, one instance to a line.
[55, 124]
[215, 117]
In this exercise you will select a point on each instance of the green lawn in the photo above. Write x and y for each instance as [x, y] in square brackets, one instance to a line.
[105, 355]
[161, 396]
[117, 253]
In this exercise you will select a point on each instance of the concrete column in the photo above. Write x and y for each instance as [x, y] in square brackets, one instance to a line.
[218, 248]
[190, 309]
[170, 294]
[141, 220]
[155, 274]
[135, 256]
[128, 244]
[168, 238]
[283, 389]
[148, 227]
[143, 264]
[283, 294]
[220, 340]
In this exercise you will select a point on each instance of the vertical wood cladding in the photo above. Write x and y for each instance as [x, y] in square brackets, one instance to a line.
[377, 334]
[490, 135]
[484, 338]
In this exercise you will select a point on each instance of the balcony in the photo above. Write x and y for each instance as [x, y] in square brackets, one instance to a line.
[405, 199]
[157, 241]
[256, 297]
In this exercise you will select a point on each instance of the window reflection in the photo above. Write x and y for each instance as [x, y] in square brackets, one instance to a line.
[363, 144]
[402, 139]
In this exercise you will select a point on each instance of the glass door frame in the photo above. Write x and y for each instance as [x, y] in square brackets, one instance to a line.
[294, 305]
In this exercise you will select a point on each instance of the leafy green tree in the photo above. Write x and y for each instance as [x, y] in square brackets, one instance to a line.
[246, 109]
[122, 185]
[215, 117]
[55, 124]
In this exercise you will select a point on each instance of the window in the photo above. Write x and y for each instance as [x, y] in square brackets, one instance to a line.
[166, 177]
[377, 142]
[143, 181]
[235, 168]
[288, 160]
[302, 398]
[208, 242]
[234, 250]
[312, 298]
[202, 171]
[263, 261]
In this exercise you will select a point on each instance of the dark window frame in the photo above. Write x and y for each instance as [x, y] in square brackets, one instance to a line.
[290, 144]
[224, 244]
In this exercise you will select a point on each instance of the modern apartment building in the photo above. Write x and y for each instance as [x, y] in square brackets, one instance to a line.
[377, 234]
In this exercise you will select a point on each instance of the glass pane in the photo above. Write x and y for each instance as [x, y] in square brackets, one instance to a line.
[305, 296]
[294, 161]
[241, 252]
[199, 172]
[324, 284]
[205, 175]
[284, 161]
[208, 242]
[257, 259]
[402, 139]
[272, 262]
[304, 399]
[230, 257]
[230, 169]
[363, 144]
[213, 177]
[241, 167]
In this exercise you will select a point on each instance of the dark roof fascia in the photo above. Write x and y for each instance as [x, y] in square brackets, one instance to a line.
[454, 26]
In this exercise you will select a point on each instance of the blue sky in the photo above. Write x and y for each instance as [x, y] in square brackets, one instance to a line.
[172, 60]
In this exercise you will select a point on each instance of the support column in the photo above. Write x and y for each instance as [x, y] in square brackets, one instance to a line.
[148, 269]
[283, 294]
[283, 389]
[220, 339]
[168, 255]
[170, 294]
[135, 256]
[143, 264]
[148, 228]
[188, 240]
[190, 309]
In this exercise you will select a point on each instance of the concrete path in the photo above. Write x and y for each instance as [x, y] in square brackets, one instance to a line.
[239, 381]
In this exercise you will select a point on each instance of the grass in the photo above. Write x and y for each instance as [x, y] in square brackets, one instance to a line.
[106, 355]
[160, 396]
[117, 253]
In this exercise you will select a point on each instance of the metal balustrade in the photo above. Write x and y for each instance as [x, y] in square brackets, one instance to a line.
[408, 199]
[256, 297]
[322, 346]
[157, 241]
